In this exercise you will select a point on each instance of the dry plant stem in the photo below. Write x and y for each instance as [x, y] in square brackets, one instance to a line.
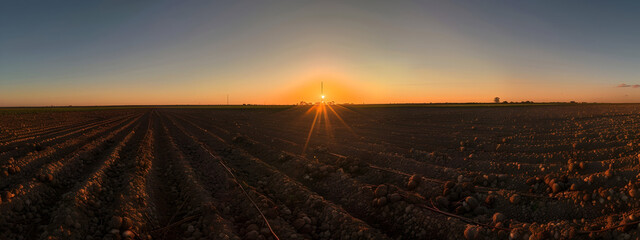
[389, 170]
[484, 189]
[609, 228]
[337, 155]
[164, 234]
[404, 174]
[243, 190]
[487, 189]
[186, 219]
[467, 220]
[464, 219]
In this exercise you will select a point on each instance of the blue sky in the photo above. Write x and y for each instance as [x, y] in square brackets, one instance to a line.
[197, 52]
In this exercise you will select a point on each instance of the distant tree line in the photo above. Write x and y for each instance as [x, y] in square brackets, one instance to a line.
[497, 100]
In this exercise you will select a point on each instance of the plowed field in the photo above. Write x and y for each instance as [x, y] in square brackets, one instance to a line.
[322, 172]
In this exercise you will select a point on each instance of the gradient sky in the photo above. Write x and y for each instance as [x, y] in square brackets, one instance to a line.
[278, 52]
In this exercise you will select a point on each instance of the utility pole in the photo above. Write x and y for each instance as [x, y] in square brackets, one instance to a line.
[322, 91]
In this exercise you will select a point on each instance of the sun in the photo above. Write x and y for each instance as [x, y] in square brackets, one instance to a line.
[322, 96]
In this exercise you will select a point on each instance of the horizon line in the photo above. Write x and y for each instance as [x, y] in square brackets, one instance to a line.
[296, 104]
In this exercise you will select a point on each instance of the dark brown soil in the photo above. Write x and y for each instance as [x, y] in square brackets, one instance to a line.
[534, 172]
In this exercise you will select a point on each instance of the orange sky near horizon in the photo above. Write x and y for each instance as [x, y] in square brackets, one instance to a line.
[338, 87]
